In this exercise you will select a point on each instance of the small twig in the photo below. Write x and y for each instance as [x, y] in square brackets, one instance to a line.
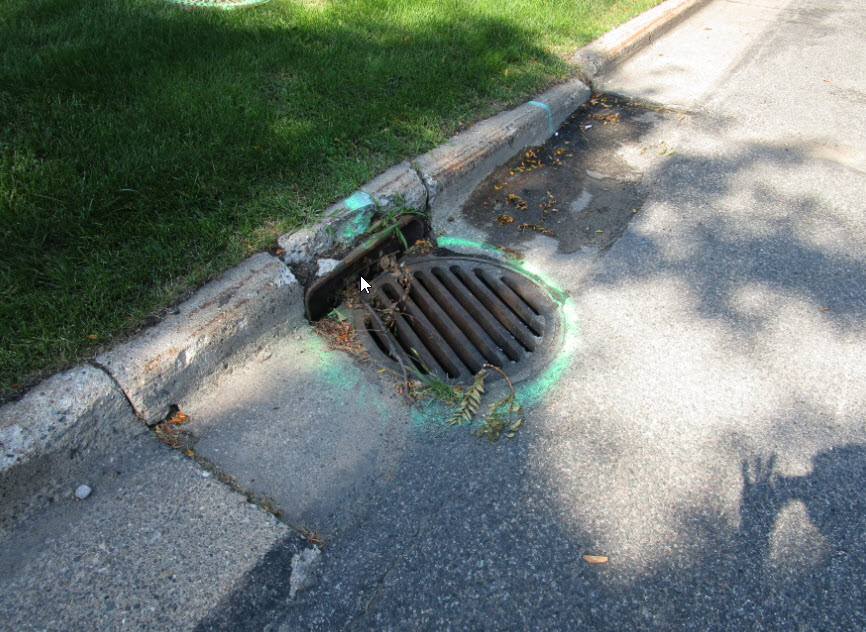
[370, 601]
[391, 350]
[502, 373]
[510, 385]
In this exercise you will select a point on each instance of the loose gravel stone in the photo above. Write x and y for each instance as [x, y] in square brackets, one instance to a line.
[303, 576]
[326, 266]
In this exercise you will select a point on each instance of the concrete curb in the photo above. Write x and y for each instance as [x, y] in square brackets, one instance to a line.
[345, 221]
[440, 176]
[615, 46]
[46, 435]
[452, 170]
[50, 430]
[162, 364]
[70, 413]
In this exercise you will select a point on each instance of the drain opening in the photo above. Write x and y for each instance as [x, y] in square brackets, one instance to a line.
[458, 314]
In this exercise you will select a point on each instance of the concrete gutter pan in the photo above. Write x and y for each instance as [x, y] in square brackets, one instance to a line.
[43, 435]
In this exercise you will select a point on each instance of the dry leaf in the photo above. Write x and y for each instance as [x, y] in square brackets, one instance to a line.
[505, 219]
[540, 229]
[517, 201]
[595, 559]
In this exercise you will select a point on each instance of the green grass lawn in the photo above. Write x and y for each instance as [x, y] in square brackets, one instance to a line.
[144, 148]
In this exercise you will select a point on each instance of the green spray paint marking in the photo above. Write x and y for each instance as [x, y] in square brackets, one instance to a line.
[357, 225]
[431, 415]
[533, 391]
[363, 206]
[328, 368]
[358, 200]
[345, 380]
[458, 242]
[546, 108]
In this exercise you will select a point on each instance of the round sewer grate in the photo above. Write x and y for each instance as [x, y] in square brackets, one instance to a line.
[459, 314]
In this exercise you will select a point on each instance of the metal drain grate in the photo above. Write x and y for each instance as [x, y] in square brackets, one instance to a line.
[459, 314]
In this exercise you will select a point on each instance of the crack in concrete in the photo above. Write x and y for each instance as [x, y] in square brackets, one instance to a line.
[428, 188]
[105, 370]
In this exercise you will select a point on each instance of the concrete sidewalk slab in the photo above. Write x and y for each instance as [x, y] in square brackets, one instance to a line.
[303, 426]
[155, 546]
[47, 437]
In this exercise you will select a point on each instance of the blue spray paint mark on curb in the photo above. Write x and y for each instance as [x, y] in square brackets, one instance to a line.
[358, 200]
[546, 108]
[364, 206]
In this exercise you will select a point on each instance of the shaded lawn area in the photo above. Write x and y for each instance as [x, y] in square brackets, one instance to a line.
[144, 148]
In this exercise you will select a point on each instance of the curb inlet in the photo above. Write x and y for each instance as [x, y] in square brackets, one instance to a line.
[449, 316]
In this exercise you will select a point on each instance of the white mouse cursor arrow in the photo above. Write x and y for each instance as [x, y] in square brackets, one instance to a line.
[365, 287]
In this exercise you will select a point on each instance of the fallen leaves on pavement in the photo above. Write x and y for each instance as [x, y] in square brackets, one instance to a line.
[540, 229]
[169, 431]
[177, 418]
[516, 201]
